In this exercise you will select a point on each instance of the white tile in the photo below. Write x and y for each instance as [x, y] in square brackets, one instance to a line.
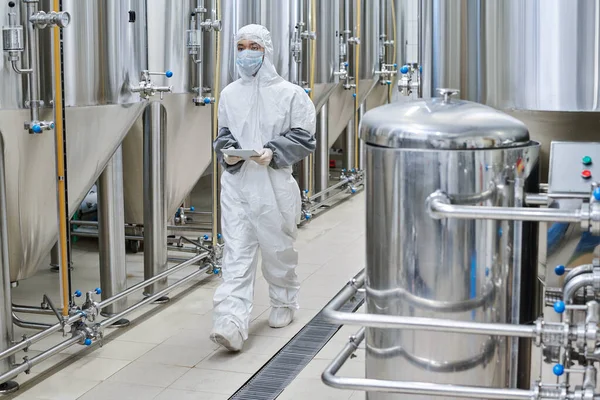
[206, 380]
[121, 350]
[150, 374]
[121, 391]
[358, 396]
[302, 389]
[174, 394]
[242, 362]
[150, 333]
[192, 338]
[182, 356]
[98, 368]
[61, 388]
[264, 344]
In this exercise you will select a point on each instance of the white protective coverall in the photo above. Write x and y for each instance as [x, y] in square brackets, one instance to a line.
[260, 203]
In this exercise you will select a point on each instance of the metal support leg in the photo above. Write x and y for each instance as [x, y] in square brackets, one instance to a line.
[6, 326]
[360, 163]
[322, 154]
[111, 235]
[54, 258]
[349, 151]
[155, 218]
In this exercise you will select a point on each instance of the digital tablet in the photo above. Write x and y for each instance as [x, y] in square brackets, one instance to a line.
[242, 153]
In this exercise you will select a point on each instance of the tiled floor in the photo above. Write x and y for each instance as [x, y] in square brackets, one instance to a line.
[168, 356]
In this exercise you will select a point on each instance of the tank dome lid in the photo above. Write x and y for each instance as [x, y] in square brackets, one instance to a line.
[442, 123]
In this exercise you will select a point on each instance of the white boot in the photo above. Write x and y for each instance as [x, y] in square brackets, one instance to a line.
[280, 317]
[228, 335]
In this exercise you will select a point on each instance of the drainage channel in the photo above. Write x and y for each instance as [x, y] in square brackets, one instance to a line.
[284, 367]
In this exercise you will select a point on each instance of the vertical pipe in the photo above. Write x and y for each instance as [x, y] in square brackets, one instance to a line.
[111, 234]
[216, 218]
[357, 78]
[61, 167]
[6, 326]
[360, 163]
[34, 63]
[155, 218]
[350, 144]
[322, 155]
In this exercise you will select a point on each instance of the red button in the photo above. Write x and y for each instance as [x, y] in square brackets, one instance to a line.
[586, 174]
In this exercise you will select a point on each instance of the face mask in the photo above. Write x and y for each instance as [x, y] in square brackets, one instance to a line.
[249, 61]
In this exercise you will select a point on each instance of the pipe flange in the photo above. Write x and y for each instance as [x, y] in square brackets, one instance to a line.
[585, 217]
[594, 218]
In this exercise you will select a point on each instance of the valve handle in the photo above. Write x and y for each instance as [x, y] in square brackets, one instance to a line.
[559, 307]
[36, 128]
[205, 237]
[98, 290]
[87, 342]
[78, 293]
[558, 369]
[559, 270]
[169, 73]
[404, 69]
[597, 194]
[219, 236]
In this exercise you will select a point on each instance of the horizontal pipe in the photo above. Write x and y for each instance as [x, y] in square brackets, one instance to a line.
[148, 282]
[149, 299]
[331, 312]
[332, 187]
[187, 227]
[331, 199]
[537, 199]
[32, 310]
[28, 324]
[439, 209]
[27, 365]
[94, 235]
[407, 387]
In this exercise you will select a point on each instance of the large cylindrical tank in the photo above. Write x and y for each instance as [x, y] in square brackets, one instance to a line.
[454, 269]
[188, 128]
[535, 59]
[104, 52]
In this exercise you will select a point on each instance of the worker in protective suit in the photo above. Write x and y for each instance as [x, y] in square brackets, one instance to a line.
[260, 199]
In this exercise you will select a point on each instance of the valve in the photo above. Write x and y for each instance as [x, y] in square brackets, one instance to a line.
[596, 194]
[404, 69]
[87, 342]
[559, 270]
[203, 100]
[205, 237]
[37, 127]
[147, 89]
[219, 236]
[78, 293]
[98, 290]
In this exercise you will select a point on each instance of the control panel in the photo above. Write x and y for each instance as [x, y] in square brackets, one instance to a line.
[573, 167]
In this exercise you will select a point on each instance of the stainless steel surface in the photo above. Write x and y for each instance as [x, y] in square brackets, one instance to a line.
[474, 45]
[408, 387]
[100, 110]
[350, 140]
[6, 326]
[188, 140]
[447, 262]
[111, 229]
[155, 199]
[327, 50]
[322, 153]
[442, 123]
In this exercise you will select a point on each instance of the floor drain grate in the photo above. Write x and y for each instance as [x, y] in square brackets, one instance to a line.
[284, 367]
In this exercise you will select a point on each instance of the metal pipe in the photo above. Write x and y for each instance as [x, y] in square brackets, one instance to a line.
[350, 144]
[361, 145]
[34, 63]
[6, 326]
[537, 199]
[57, 327]
[18, 70]
[215, 182]
[77, 232]
[156, 296]
[322, 155]
[516, 277]
[111, 232]
[439, 209]
[155, 199]
[187, 227]
[331, 313]
[331, 188]
[582, 269]
[28, 364]
[31, 310]
[407, 387]
[143, 284]
[28, 324]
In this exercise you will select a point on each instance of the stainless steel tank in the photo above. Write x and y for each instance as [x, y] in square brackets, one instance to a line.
[188, 126]
[104, 52]
[537, 60]
[454, 269]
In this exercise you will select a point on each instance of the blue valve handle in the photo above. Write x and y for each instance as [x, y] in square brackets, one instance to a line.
[192, 208]
[597, 194]
[354, 95]
[559, 307]
[205, 237]
[169, 74]
[98, 290]
[219, 236]
[558, 370]
[87, 342]
[207, 100]
[36, 128]
[52, 125]
[559, 270]
[78, 293]
[395, 65]
[404, 69]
